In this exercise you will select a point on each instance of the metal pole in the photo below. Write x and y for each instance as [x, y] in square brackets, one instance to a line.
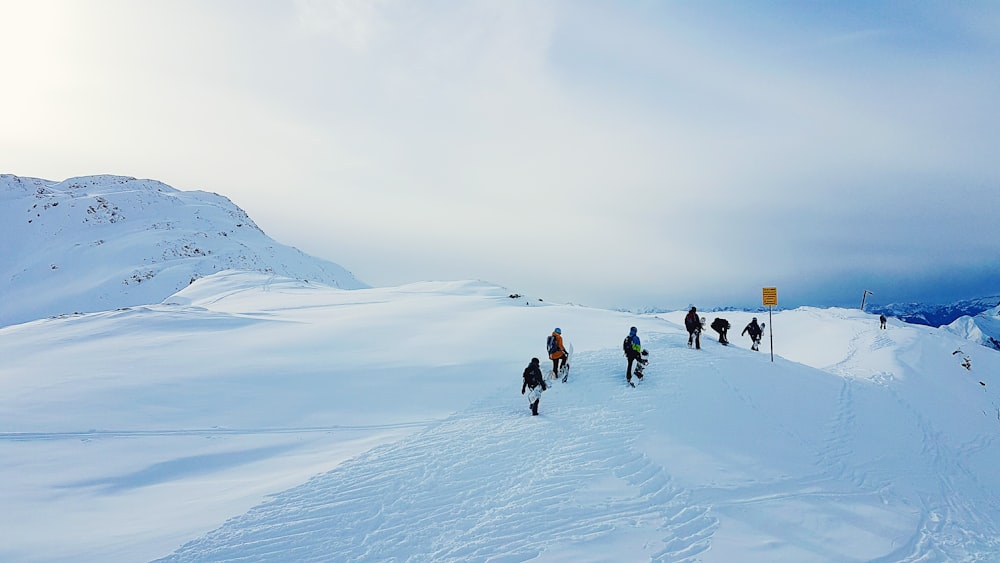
[863, 297]
[770, 324]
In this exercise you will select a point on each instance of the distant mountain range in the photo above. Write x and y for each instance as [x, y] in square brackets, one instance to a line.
[977, 320]
[935, 315]
[98, 243]
[914, 313]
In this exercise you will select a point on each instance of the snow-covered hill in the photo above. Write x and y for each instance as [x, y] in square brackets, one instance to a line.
[102, 242]
[983, 328]
[252, 417]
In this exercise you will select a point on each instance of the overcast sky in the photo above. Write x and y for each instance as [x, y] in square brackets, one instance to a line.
[613, 154]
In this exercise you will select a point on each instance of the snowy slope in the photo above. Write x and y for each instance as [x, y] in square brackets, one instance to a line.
[102, 242]
[983, 328]
[251, 417]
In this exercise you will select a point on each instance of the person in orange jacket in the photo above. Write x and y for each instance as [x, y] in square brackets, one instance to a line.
[557, 352]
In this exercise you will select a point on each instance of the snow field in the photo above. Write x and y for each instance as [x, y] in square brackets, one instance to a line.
[251, 417]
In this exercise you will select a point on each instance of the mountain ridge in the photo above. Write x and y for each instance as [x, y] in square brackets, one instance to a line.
[103, 242]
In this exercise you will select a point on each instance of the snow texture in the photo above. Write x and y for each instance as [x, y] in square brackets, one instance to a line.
[252, 417]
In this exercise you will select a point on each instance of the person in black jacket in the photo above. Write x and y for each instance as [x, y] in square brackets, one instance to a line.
[755, 331]
[533, 380]
[693, 325]
[722, 327]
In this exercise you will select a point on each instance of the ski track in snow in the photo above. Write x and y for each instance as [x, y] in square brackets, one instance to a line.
[949, 519]
[944, 532]
[452, 492]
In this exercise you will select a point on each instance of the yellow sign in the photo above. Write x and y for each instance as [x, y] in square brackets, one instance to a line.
[770, 296]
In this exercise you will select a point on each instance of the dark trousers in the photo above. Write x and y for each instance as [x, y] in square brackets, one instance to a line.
[696, 337]
[557, 362]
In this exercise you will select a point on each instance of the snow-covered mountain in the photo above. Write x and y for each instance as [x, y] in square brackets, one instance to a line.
[983, 328]
[103, 242]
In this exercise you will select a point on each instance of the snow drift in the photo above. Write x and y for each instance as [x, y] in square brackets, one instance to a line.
[983, 328]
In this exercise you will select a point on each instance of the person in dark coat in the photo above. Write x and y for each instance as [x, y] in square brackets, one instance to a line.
[722, 327]
[881, 320]
[693, 325]
[533, 380]
[755, 331]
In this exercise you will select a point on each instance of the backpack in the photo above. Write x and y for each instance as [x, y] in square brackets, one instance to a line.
[627, 345]
[691, 321]
[551, 345]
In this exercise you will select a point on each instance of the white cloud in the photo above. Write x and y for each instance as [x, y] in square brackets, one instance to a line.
[455, 134]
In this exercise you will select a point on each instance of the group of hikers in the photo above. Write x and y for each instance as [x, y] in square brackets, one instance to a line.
[534, 380]
[695, 324]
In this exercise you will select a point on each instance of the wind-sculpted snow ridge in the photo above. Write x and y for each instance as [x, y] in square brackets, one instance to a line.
[102, 242]
[983, 328]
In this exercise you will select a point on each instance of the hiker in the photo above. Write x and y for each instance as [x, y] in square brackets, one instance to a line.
[755, 331]
[693, 325]
[633, 351]
[881, 320]
[557, 353]
[722, 327]
[533, 380]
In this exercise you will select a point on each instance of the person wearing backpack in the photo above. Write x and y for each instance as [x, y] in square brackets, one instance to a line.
[557, 353]
[633, 351]
[755, 331]
[722, 327]
[693, 325]
[533, 380]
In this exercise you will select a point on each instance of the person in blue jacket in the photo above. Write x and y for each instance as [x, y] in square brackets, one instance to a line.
[633, 351]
